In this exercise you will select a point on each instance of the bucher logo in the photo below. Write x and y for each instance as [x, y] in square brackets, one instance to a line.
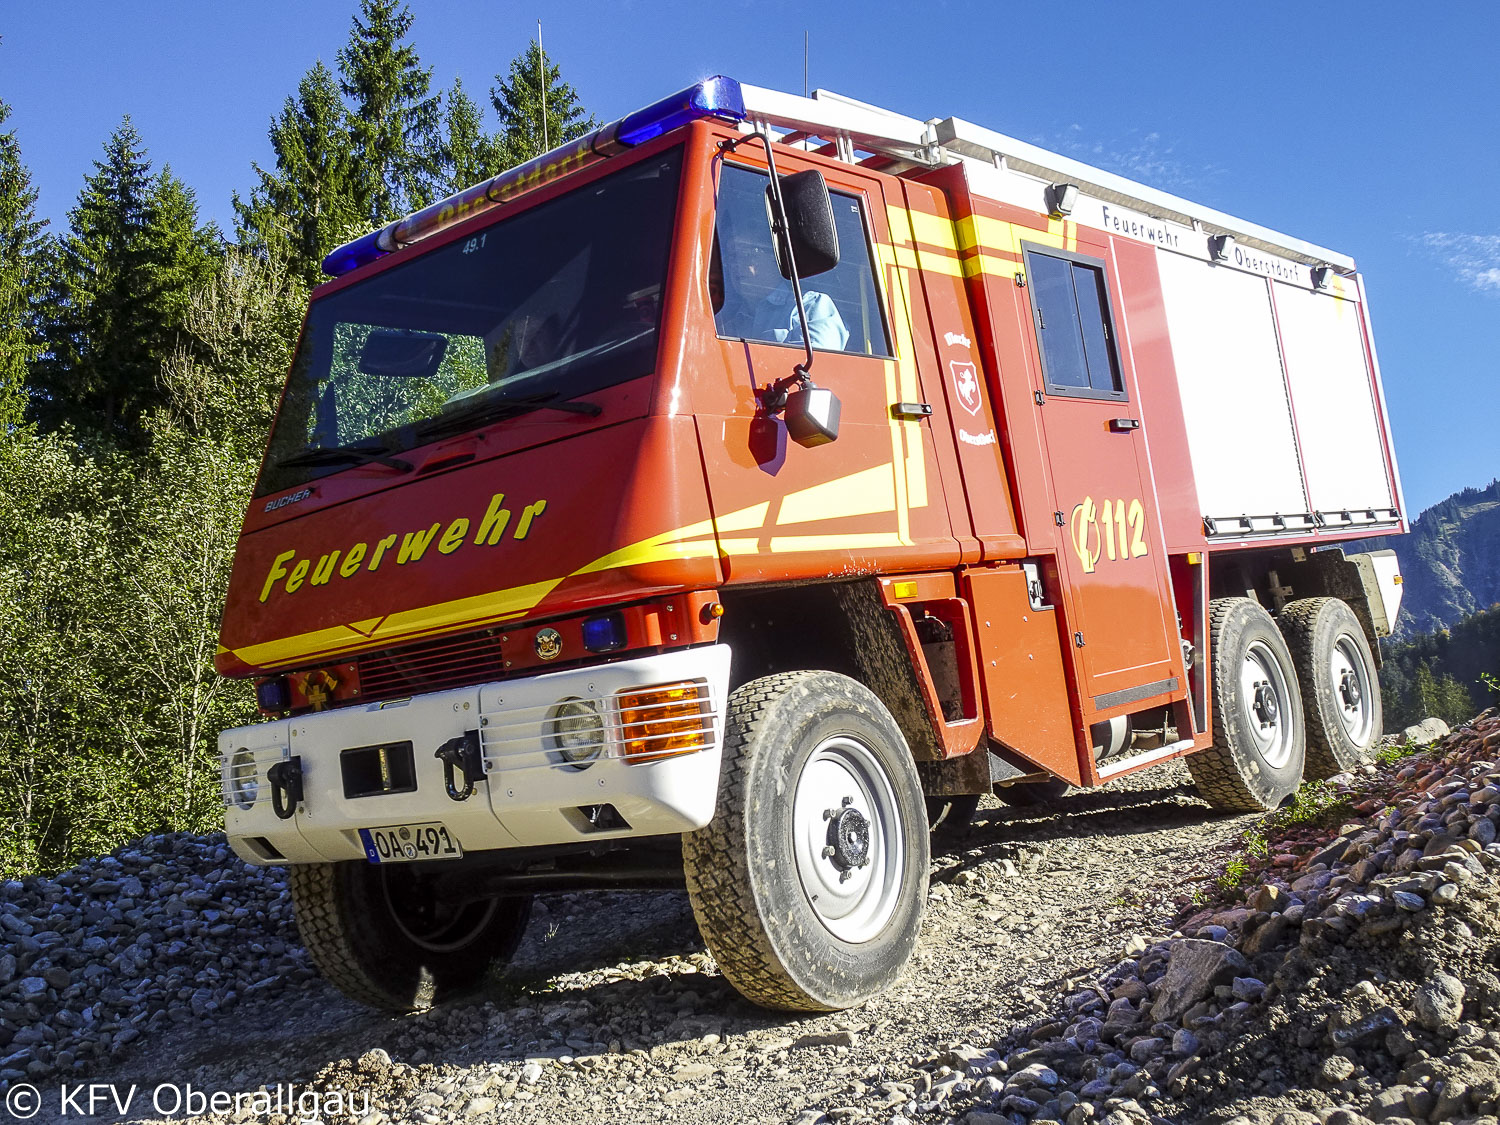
[966, 383]
[289, 573]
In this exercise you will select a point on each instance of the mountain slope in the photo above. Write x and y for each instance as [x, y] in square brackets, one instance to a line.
[1451, 560]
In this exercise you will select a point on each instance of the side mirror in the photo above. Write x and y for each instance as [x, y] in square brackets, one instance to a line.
[809, 217]
[812, 415]
[402, 355]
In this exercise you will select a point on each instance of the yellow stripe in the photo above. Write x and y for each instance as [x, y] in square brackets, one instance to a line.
[934, 230]
[787, 543]
[498, 605]
[859, 494]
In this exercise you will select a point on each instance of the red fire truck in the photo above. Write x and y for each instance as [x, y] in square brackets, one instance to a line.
[727, 495]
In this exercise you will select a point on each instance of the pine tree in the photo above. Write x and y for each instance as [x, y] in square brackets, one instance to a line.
[309, 204]
[98, 369]
[519, 103]
[21, 249]
[394, 117]
[118, 288]
[1425, 696]
[469, 155]
[182, 254]
[1454, 704]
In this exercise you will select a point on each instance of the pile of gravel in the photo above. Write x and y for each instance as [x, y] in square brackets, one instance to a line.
[1356, 978]
[165, 931]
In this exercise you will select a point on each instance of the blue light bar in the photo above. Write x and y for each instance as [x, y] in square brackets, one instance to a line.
[713, 97]
[352, 255]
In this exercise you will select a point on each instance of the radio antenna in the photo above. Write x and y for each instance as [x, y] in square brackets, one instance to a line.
[804, 62]
[541, 79]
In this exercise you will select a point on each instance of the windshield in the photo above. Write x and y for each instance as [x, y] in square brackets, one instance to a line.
[552, 303]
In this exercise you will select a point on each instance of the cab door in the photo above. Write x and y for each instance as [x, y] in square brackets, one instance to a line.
[873, 500]
[1109, 541]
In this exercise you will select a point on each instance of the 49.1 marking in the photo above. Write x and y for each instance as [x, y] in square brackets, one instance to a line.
[1109, 530]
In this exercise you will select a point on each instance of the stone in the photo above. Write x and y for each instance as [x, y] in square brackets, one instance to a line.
[1335, 1069]
[1428, 730]
[1439, 1003]
[1194, 969]
[475, 1106]
[826, 1039]
[1247, 988]
[1269, 898]
[531, 1073]
[1184, 1043]
[1406, 900]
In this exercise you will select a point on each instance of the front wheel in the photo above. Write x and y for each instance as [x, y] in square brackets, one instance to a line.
[381, 935]
[1339, 684]
[810, 881]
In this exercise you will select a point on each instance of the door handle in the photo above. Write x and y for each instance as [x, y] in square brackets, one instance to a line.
[910, 410]
[1123, 425]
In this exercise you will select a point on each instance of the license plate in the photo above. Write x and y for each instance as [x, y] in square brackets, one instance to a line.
[408, 843]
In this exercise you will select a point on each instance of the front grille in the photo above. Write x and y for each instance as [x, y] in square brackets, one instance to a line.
[448, 662]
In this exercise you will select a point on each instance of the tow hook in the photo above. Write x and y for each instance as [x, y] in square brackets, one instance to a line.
[286, 786]
[465, 753]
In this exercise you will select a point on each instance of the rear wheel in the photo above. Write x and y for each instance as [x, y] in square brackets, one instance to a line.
[810, 881]
[1340, 688]
[382, 936]
[1260, 742]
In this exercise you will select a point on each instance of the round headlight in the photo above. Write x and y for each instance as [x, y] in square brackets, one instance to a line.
[575, 730]
[244, 783]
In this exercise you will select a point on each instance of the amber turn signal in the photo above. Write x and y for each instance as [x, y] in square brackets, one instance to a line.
[663, 722]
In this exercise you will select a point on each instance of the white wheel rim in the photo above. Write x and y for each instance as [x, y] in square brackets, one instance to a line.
[843, 799]
[1267, 699]
[1353, 694]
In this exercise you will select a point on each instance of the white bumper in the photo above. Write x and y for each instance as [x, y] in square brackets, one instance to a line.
[530, 794]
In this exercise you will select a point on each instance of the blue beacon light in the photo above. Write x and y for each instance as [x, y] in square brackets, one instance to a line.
[713, 97]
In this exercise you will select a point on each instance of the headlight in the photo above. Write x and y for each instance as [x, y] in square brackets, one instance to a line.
[575, 729]
[244, 782]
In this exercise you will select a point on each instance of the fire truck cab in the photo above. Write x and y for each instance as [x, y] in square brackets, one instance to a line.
[729, 495]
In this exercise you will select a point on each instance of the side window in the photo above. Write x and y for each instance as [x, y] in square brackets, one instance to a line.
[752, 301]
[1074, 330]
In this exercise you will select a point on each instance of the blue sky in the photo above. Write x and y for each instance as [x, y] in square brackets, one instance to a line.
[1370, 128]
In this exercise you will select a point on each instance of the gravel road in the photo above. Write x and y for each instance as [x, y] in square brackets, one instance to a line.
[614, 1011]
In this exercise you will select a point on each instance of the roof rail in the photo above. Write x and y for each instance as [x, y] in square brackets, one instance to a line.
[895, 143]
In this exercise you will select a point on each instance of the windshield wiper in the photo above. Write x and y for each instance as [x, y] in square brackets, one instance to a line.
[498, 409]
[356, 453]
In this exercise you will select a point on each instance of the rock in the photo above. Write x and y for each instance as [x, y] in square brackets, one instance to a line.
[1269, 898]
[1428, 730]
[826, 1039]
[1184, 1043]
[475, 1106]
[1194, 969]
[1406, 900]
[531, 1073]
[31, 987]
[1334, 1070]
[1247, 988]
[1439, 1003]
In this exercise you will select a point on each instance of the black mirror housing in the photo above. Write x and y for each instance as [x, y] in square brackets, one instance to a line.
[812, 415]
[402, 355]
[810, 228]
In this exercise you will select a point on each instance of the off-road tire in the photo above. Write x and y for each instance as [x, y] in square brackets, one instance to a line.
[1031, 794]
[1315, 628]
[952, 813]
[1233, 774]
[348, 925]
[742, 876]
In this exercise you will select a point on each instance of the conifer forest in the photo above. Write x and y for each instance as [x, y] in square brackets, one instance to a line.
[141, 356]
